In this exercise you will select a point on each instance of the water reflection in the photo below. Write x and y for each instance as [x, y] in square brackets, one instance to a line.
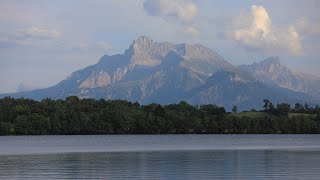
[224, 164]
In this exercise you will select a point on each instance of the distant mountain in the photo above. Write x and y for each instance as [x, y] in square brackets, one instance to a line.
[271, 71]
[142, 55]
[165, 83]
[144, 59]
[235, 87]
[165, 73]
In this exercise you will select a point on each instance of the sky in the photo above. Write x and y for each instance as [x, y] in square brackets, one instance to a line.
[43, 41]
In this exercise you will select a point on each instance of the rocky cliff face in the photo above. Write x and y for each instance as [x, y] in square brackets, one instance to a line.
[166, 83]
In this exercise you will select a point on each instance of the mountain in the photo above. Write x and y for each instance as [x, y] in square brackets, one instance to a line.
[166, 83]
[271, 71]
[144, 60]
[142, 55]
[236, 87]
[164, 72]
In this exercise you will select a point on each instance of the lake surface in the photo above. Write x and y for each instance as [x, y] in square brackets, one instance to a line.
[160, 157]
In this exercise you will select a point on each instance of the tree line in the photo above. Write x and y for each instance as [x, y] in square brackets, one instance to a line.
[89, 116]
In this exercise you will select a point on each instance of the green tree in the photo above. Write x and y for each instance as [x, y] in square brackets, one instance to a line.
[89, 116]
[298, 107]
[271, 107]
[283, 109]
[160, 111]
[4, 128]
[266, 104]
[234, 109]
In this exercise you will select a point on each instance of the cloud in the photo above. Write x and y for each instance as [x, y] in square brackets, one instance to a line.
[255, 32]
[104, 45]
[8, 42]
[79, 47]
[32, 36]
[83, 45]
[92, 46]
[191, 31]
[178, 9]
[38, 32]
[181, 12]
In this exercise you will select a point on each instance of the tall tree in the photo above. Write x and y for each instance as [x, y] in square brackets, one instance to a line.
[266, 104]
[234, 109]
[271, 106]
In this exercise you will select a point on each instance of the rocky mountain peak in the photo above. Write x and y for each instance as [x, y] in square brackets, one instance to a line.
[142, 43]
[143, 40]
[271, 71]
[270, 65]
[271, 60]
[144, 51]
[198, 51]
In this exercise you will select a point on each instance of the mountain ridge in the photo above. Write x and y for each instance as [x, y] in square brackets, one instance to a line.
[164, 72]
[272, 71]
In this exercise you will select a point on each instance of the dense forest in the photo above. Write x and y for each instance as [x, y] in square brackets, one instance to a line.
[90, 116]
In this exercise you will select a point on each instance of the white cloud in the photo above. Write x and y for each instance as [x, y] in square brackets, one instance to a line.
[293, 40]
[32, 36]
[83, 45]
[179, 9]
[7, 42]
[38, 32]
[79, 47]
[104, 45]
[191, 31]
[254, 30]
[92, 47]
[181, 12]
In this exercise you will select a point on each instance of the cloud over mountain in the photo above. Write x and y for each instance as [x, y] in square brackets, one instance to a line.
[254, 30]
[181, 10]
[191, 31]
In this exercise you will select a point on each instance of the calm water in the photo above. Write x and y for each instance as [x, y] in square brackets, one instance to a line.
[160, 157]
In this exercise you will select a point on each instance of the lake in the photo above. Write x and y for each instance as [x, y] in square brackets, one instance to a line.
[160, 157]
